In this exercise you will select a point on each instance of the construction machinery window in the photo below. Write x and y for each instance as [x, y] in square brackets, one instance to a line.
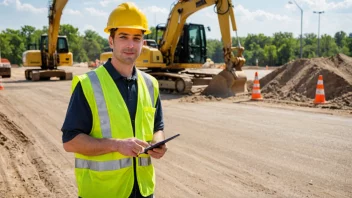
[62, 46]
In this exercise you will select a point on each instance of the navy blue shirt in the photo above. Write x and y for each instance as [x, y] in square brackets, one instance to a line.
[79, 117]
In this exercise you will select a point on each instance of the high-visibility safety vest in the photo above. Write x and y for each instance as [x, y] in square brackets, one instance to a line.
[111, 175]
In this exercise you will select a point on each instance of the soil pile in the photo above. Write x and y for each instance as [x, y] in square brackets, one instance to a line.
[297, 80]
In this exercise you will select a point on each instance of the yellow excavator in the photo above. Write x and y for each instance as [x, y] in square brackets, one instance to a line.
[183, 48]
[53, 50]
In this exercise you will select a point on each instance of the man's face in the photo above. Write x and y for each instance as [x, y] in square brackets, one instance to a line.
[127, 45]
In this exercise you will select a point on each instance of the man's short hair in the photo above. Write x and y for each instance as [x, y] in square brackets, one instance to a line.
[113, 31]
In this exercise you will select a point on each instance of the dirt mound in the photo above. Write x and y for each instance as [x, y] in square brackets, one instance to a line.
[297, 80]
[199, 98]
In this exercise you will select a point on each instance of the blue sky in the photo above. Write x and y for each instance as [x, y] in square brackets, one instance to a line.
[252, 16]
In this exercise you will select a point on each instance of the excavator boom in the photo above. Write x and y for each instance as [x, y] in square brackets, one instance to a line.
[55, 12]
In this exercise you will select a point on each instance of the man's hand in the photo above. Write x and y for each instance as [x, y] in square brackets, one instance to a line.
[158, 152]
[130, 147]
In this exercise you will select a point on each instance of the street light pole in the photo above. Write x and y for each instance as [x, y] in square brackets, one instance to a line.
[300, 50]
[320, 12]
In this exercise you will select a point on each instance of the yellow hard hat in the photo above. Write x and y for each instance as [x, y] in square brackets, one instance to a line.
[127, 15]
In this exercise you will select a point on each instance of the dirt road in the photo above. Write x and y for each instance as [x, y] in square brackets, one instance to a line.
[225, 149]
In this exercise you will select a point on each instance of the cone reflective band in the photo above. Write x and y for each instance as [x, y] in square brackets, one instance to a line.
[320, 93]
[256, 95]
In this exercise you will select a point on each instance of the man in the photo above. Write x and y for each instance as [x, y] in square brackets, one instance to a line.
[114, 111]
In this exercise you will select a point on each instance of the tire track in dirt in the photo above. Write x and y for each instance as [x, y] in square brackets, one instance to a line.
[15, 164]
[25, 169]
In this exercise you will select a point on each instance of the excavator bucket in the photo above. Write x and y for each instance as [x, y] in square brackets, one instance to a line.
[232, 80]
[227, 84]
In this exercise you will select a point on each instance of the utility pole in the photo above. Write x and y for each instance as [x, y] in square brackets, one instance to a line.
[300, 50]
[320, 12]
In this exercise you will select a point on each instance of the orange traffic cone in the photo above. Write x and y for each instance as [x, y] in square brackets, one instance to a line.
[320, 93]
[1, 86]
[256, 95]
[266, 67]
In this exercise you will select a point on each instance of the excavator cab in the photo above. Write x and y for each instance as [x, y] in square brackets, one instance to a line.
[192, 45]
[61, 48]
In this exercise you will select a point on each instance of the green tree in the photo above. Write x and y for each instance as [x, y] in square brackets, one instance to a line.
[212, 46]
[261, 40]
[310, 39]
[257, 55]
[16, 43]
[75, 42]
[218, 56]
[340, 39]
[309, 51]
[5, 46]
[328, 46]
[286, 46]
[92, 47]
[270, 55]
[94, 44]
[26, 33]
[349, 44]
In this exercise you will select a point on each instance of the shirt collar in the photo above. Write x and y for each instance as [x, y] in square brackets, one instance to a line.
[115, 75]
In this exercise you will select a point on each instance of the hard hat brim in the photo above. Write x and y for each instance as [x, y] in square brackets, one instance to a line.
[146, 31]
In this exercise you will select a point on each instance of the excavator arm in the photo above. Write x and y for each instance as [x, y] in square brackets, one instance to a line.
[178, 16]
[55, 12]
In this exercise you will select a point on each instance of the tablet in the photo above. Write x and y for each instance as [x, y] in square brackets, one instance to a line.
[156, 145]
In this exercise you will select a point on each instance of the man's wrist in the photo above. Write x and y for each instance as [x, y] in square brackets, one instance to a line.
[114, 145]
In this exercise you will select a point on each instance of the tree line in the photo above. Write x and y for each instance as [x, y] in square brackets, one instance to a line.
[260, 49]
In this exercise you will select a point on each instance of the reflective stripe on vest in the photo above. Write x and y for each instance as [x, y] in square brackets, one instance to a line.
[101, 105]
[110, 165]
[103, 166]
[150, 86]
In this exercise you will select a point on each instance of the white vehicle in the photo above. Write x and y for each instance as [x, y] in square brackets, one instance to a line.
[5, 68]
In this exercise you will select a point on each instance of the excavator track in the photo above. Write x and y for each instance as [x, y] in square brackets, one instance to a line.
[172, 82]
[41, 74]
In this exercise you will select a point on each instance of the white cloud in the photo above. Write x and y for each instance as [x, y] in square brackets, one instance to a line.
[5, 2]
[155, 14]
[211, 15]
[95, 12]
[89, 3]
[89, 27]
[155, 9]
[72, 12]
[325, 5]
[259, 15]
[105, 3]
[291, 7]
[28, 7]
